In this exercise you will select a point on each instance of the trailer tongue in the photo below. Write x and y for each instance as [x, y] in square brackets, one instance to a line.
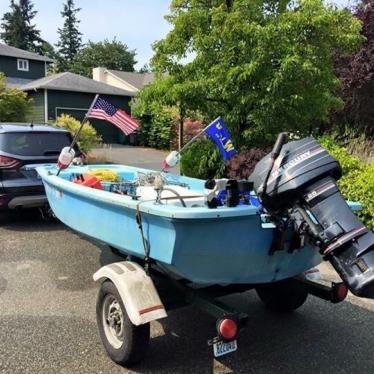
[298, 181]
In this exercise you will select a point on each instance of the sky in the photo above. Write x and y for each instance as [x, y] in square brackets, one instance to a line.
[137, 23]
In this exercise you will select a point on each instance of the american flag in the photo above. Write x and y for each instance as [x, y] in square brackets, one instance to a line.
[107, 112]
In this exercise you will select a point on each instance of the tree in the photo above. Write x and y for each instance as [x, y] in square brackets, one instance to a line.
[356, 72]
[145, 69]
[18, 30]
[14, 104]
[110, 54]
[46, 49]
[70, 39]
[265, 66]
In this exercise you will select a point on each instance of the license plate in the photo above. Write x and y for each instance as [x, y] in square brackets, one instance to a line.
[222, 348]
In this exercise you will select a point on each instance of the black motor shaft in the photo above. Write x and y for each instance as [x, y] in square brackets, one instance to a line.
[344, 241]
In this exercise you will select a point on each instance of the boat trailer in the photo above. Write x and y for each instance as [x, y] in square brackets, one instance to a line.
[131, 297]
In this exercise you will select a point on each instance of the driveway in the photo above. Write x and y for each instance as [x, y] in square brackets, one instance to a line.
[147, 158]
[48, 323]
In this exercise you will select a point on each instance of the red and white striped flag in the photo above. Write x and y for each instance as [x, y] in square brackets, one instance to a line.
[107, 112]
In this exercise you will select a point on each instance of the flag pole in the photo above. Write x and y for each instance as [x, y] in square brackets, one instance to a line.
[193, 139]
[76, 135]
[196, 136]
[83, 122]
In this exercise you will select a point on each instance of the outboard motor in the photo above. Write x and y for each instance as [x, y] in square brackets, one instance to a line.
[298, 180]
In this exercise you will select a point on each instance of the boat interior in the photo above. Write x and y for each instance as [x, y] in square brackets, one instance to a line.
[163, 188]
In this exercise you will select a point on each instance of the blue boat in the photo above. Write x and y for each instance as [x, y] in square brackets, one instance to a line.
[226, 245]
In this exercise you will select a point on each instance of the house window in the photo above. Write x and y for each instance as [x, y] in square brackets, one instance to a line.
[23, 65]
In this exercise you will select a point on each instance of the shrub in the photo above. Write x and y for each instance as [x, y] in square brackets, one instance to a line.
[14, 104]
[242, 164]
[191, 127]
[357, 182]
[362, 147]
[202, 160]
[156, 123]
[88, 137]
[355, 71]
[359, 186]
[348, 162]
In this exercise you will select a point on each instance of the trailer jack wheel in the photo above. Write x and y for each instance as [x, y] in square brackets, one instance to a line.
[283, 296]
[124, 342]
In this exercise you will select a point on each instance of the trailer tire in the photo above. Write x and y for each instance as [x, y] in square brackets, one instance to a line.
[124, 342]
[283, 296]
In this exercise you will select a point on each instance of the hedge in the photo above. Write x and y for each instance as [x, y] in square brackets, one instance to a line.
[357, 182]
[202, 160]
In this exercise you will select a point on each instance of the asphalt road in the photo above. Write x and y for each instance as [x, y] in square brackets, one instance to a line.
[48, 323]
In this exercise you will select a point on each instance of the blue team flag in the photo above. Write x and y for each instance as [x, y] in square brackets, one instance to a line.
[217, 131]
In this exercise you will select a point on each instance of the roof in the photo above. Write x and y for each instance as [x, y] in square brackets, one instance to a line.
[22, 127]
[7, 50]
[138, 80]
[16, 82]
[73, 82]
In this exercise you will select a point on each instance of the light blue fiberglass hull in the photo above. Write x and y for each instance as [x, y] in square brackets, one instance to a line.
[223, 245]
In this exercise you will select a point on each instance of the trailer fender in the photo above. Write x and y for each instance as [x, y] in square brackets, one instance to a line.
[136, 288]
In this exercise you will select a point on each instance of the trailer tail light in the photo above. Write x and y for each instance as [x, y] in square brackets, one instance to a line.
[339, 292]
[227, 329]
[8, 162]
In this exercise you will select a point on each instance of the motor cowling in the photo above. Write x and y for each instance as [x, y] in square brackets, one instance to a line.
[302, 185]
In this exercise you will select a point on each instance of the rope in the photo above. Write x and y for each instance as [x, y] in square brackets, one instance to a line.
[146, 245]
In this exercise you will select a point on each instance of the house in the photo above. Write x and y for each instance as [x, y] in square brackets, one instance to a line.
[21, 67]
[63, 93]
[129, 81]
[68, 93]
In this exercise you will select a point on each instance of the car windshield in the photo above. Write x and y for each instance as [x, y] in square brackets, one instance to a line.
[34, 143]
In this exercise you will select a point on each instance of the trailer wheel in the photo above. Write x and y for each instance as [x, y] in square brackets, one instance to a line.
[283, 296]
[124, 342]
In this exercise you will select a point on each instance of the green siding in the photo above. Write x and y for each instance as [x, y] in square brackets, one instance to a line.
[37, 114]
[8, 65]
[77, 104]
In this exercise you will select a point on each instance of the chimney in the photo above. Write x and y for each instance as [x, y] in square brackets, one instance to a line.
[98, 74]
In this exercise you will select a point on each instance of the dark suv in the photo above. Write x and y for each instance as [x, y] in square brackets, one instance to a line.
[22, 144]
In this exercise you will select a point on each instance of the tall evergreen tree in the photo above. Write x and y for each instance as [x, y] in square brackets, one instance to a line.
[17, 28]
[70, 40]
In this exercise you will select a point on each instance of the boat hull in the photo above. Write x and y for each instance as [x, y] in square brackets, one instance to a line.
[203, 247]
